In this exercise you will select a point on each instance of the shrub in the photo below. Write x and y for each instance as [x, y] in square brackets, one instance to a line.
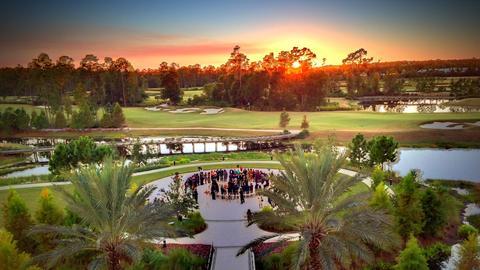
[40, 121]
[284, 119]
[469, 254]
[22, 119]
[118, 119]
[435, 214]
[378, 176]
[303, 134]
[436, 254]
[412, 257]
[49, 212]
[60, 120]
[193, 224]
[465, 230]
[179, 258]
[10, 257]
[106, 120]
[273, 262]
[17, 220]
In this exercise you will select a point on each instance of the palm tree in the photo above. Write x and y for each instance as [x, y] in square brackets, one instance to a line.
[116, 221]
[336, 225]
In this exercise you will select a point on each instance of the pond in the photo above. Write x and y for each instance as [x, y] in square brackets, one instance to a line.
[39, 170]
[454, 164]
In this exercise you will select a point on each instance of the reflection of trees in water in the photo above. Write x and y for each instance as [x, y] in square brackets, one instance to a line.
[426, 108]
[395, 107]
[457, 109]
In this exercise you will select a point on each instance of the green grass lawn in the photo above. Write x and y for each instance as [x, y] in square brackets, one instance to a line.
[237, 118]
[319, 121]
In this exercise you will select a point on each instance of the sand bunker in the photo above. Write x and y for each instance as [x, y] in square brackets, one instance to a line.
[443, 125]
[185, 110]
[153, 109]
[164, 108]
[213, 111]
[449, 125]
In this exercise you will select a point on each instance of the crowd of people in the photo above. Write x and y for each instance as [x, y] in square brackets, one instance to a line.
[232, 184]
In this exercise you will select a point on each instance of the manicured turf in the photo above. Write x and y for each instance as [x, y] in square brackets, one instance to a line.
[236, 118]
[319, 121]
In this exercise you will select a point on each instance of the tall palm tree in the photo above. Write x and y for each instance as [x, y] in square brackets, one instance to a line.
[336, 225]
[116, 221]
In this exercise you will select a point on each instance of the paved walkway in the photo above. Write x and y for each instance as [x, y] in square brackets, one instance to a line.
[226, 222]
[226, 225]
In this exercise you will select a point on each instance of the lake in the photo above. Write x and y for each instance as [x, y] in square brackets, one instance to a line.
[455, 164]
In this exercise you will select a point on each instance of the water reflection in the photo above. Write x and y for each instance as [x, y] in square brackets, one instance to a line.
[455, 164]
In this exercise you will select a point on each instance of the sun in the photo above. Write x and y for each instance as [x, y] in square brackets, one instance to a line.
[296, 64]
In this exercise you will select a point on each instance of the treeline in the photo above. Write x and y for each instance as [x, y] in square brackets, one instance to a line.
[92, 84]
[294, 80]
[18, 120]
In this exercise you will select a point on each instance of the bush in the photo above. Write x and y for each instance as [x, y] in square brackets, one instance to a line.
[10, 257]
[40, 121]
[60, 120]
[17, 220]
[436, 254]
[282, 260]
[303, 134]
[193, 224]
[412, 257]
[180, 258]
[273, 262]
[118, 119]
[465, 230]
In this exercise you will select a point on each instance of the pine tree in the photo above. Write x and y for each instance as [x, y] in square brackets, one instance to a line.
[380, 199]
[17, 220]
[284, 119]
[118, 119]
[378, 175]
[60, 120]
[50, 214]
[10, 257]
[434, 212]
[412, 258]
[358, 150]
[181, 199]
[305, 124]
[106, 120]
[408, 212]
[40, 121]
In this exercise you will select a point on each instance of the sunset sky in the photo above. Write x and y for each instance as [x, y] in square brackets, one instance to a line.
[204, 32]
